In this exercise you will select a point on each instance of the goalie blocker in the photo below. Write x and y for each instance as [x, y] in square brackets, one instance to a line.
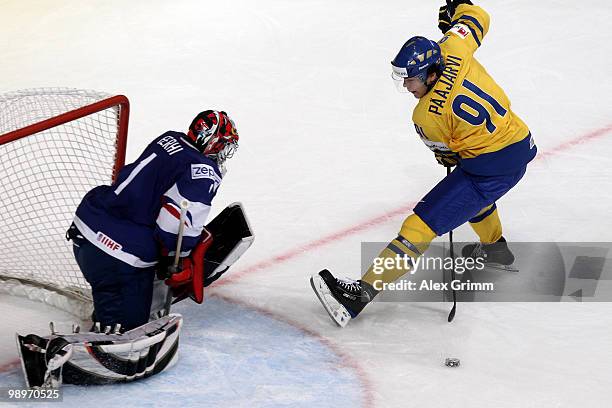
[224, 240]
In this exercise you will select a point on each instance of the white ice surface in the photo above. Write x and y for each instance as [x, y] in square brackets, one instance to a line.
[327, 144]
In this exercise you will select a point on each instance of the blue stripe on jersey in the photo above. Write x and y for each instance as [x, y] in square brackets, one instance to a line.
[474, 35]
[472, 87]
[469, 27]
[476, 23]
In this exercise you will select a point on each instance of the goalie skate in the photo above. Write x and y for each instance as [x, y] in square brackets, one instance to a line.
[336, 311]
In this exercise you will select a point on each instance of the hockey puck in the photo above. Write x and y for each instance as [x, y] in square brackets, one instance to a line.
[452, 362]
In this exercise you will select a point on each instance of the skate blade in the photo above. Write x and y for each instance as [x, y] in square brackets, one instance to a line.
[334, 309]
[501, 267]
[492, 267]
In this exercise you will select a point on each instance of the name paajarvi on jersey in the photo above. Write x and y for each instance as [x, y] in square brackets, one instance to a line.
[449, 75]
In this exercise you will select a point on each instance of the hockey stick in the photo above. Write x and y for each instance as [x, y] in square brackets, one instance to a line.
[451, 315]
[179, 239]
[177, 255]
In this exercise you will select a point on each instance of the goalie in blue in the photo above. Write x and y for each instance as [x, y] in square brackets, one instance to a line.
[125, 239]
[123, 231]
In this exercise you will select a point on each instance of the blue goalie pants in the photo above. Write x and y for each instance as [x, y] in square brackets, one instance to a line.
[121, 293]
[460, 196]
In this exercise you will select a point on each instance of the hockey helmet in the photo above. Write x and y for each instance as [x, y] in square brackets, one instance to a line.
[214, 134]
[418, 57]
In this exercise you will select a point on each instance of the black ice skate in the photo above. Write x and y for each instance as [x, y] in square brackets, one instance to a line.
[343, 299]
[496, 255]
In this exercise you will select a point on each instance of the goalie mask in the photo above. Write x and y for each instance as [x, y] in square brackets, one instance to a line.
[214, 134]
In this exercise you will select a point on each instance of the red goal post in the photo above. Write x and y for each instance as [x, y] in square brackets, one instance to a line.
[55, 145]
[120, 101]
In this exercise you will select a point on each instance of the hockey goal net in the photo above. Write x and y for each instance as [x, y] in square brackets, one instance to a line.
[55, 145]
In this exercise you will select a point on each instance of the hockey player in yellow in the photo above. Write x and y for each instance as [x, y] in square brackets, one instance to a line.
[465, 119]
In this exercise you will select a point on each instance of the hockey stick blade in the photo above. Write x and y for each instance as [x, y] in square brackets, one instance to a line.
[451, 315]
[334, 309]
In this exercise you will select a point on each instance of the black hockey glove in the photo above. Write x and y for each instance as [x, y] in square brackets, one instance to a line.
[446, 159]
[445, 14]
[444, 20]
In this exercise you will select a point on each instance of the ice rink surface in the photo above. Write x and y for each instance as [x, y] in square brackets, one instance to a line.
[328, 159]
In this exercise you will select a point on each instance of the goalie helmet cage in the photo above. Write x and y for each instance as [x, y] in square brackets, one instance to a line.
[55, 145]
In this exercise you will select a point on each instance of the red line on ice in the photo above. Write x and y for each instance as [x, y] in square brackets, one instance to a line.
[9, 366]
[326, 240]
[587, 137]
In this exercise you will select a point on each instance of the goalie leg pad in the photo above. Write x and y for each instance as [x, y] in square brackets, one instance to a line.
[98, 358]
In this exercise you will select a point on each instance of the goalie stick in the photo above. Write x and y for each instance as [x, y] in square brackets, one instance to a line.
[177, 255]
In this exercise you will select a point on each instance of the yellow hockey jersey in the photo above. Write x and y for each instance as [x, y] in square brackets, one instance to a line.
[466, 111]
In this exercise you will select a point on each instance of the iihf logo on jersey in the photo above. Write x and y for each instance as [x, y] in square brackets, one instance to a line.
[108, 242]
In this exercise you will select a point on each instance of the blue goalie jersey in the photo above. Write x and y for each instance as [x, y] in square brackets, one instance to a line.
[139, 213]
